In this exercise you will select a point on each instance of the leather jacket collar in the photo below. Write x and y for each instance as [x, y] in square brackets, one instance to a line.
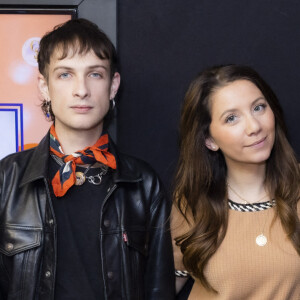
[37, 167]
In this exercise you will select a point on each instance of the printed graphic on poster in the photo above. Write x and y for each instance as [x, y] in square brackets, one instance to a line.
[21, 119]
[11, 120]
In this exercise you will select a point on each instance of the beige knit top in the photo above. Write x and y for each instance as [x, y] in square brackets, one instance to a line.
[240, 269]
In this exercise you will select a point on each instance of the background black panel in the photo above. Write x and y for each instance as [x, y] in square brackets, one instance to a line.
[163, 44]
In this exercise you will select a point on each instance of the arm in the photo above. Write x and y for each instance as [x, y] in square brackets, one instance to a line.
[159, 279]
[179, 226]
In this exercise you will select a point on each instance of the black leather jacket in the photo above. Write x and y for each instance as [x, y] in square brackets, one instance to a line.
[139, 268]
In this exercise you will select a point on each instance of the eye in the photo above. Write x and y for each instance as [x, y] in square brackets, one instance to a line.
[260, 107]
[96, 75]
[230, 119]
[64, 75]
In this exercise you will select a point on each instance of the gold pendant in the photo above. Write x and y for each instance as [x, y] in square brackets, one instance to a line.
[261, 240]
[80, 178]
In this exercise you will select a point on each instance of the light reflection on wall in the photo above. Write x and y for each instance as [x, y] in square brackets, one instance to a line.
[19, 38]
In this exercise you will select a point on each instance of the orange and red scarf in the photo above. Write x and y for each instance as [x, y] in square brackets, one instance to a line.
[65, 176]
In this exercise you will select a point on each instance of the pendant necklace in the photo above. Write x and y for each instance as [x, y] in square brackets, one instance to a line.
[261, 240]
[94, 179]
[81, 176]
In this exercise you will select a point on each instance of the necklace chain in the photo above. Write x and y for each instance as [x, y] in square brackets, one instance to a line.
[261, 240]
[246, 201]
[81, 177]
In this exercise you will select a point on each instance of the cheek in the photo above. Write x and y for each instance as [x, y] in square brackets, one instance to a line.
[225, 136]
[271, 122]
[54, 108]
[56, 105]
[104, 106]
[52, 94]
[229, 142]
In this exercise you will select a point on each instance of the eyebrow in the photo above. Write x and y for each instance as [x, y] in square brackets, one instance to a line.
[234, 109]
[89, 67]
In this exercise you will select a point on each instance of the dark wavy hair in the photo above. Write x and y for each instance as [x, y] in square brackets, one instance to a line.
[81, 36]
[200, 182]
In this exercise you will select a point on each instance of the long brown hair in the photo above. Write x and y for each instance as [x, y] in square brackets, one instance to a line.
[200, 190]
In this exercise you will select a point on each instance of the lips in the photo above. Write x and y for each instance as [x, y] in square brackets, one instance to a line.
[81, 108]
[257, 143]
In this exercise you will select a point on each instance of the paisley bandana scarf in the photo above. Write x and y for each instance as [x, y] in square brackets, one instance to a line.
[65, 176]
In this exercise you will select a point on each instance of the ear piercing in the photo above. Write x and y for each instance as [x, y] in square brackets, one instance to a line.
[112, 103]
[48, 109]
[48, 113]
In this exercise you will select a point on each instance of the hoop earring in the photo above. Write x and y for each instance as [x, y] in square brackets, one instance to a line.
[112, 103]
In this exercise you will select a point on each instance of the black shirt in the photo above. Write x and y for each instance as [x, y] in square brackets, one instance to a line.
[77, 214]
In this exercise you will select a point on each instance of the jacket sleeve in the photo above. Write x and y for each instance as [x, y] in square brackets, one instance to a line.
[2, 280]
[160, 279]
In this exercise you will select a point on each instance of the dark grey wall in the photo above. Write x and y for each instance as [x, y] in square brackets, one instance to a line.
[164, 44]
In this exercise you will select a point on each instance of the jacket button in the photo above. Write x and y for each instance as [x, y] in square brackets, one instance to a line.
[110, 275]
[9, 246]
[106, 223]
[48, 274]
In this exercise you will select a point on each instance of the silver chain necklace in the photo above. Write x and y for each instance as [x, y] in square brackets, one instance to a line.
[81, 176]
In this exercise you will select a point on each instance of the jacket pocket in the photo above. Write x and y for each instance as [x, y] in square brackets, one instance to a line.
[15, 239]
[137, 240]
[137, 250]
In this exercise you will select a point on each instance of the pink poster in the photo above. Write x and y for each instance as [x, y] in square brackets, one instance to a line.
[22, 123]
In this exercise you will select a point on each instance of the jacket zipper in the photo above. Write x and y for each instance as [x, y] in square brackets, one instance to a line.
[108, 195]
[111, 190]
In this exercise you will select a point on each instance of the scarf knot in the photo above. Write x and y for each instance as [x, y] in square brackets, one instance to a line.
[65, 176]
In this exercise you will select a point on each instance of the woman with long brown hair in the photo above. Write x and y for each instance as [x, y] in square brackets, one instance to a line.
[236, 211]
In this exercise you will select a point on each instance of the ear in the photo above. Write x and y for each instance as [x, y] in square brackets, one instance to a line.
[115, 83]
[211, 144]
[43, 87]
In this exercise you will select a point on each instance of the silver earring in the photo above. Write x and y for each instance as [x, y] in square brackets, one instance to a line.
[112, 103]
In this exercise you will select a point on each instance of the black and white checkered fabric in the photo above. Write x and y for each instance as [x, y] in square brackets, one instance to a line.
[179, 273]
[251, 207]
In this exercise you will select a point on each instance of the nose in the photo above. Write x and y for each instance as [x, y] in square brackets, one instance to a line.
[252, 125]
[80, 88]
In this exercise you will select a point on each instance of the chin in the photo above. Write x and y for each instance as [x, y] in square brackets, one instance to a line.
[261, 159]
[87, 124]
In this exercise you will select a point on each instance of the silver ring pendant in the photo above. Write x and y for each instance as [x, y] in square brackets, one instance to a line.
[96, 180]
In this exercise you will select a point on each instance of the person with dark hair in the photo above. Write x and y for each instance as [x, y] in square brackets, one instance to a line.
[235, 219]
[78, 219]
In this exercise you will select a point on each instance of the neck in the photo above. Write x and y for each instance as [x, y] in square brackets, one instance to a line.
[72, 141]
[248, 181]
